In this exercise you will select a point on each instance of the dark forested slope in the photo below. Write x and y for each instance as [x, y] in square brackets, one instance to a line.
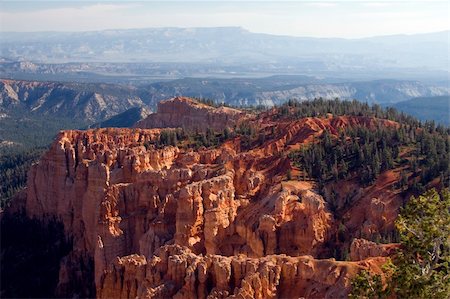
[427, 108]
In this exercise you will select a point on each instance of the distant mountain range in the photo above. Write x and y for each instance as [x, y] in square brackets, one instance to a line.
[97, 102]
[278, 89]
[125, 119]
[82, 102]
[229, 50]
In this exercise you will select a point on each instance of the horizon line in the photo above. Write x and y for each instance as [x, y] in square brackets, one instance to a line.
[227, 27]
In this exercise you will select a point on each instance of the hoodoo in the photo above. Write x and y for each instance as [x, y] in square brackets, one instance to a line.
[187, 218]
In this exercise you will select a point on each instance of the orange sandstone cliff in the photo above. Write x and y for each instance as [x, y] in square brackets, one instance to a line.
[187, 113]
[222, 222]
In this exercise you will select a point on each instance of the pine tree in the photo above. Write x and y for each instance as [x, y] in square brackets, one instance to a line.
[421, 267]
[423, 264]
[226, 133]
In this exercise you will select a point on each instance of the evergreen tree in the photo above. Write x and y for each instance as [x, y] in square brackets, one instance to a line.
[421, 268]
[423, 264]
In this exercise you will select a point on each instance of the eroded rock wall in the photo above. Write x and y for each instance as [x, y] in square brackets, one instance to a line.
[175, 272]
[188, 114]
[217, 222]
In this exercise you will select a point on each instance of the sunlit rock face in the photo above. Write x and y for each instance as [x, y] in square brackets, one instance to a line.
[190, 114]
[215, 222]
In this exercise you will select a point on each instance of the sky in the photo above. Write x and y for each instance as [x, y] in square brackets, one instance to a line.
[347, 19]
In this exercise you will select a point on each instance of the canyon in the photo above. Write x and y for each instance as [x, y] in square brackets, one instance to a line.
[214, 222]
[83, 102]
[92, 103]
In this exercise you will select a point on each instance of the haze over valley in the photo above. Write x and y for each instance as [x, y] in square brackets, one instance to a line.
[113, 70]
[169, 53]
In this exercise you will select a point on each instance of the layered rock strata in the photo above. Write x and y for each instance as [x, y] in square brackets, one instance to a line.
[175, 272]
[173, 222]
[187, 113]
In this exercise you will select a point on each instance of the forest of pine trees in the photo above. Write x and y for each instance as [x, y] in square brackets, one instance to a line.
[370, 152]
[13, 171]
[357, 149]
[321, 107]
[30, 136]
[190, 139]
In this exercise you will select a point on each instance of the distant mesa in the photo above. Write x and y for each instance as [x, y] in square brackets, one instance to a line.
[190, 114]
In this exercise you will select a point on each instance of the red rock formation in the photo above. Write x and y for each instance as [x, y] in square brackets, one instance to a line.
[376, 207]
[361, 249]
[175, 272]
[189, 114]
[173, 222]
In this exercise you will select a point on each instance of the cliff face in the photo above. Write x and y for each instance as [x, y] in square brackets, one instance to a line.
[155, 223]
[86, 102]
[186, 113]
[361, 249]
[176, 272]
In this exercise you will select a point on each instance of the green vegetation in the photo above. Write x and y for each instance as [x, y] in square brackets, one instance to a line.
[212, 103]
[361, 150]
[29, 137]
[320, 108]
[125, 119]
[357, 149]
[371, 151]
[208, 102]
[421, 268]
[166, 138]
[427, 108]
[423, 264]
[248, 135]
[189, 139]
[365, 286]
[32, 130]
[13, 171]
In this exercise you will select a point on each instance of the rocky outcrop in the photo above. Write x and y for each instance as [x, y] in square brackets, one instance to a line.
[159, 222]
[375, 207]
[189, 114]
[293, 134]
[361, 249]
[175, 272]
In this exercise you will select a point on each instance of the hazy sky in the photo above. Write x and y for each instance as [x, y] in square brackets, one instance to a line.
[300, 18]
